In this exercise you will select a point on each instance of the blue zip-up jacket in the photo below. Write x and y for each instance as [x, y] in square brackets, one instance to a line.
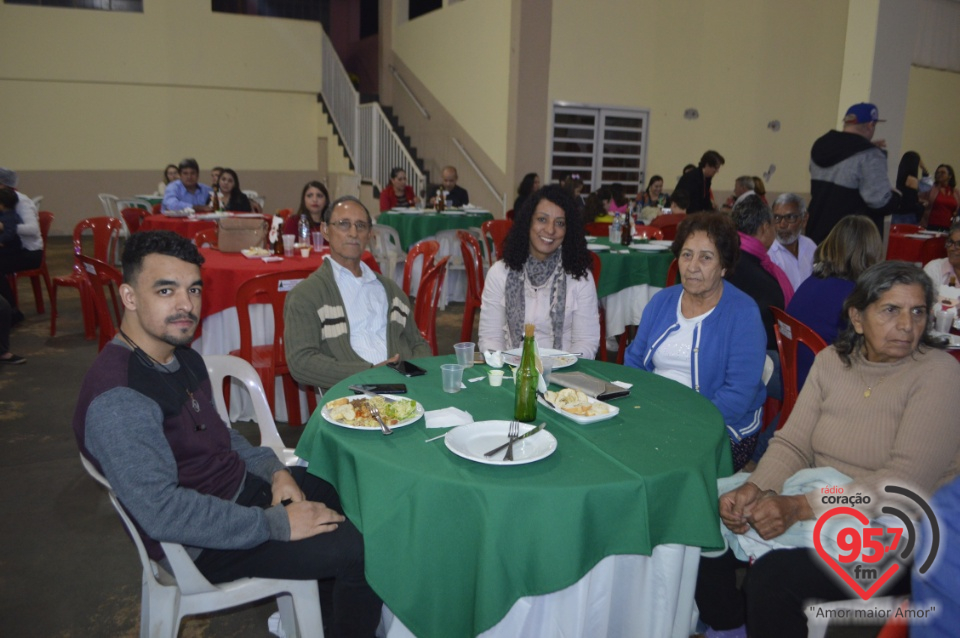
[726, 361]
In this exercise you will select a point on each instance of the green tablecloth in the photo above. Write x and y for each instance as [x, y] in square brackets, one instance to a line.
[451, 544]
[412, 227]
[620, 271]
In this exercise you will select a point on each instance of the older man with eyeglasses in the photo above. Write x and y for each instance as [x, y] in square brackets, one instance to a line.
[345, 318]
[792, 251]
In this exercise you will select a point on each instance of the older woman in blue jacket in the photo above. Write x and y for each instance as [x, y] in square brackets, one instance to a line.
[707, 334]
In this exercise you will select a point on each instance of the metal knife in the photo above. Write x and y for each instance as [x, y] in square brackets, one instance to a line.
[522, 436]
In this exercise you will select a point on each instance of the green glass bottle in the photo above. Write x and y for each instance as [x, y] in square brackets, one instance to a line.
[527, 376]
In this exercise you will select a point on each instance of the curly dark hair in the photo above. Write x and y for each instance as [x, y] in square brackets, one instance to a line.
[721, 231]
[516, 247]
[596, 205]
[156, 242]
[871, 285]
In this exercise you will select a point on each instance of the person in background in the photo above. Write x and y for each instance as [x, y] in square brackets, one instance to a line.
[397, 193]
[848, 174]
[679, 203]
[760, 189]
[912, 209]
[170, 174]
[792, 251]
[939, 587]
[597, 205]
[6, 317]
[187, 192]
[619, 203]
[946, 271]
[574, 185]
[30, 254]
[10, 243]
[215, 175]
[344, 318]
[697, 182]
[544, 278]
[706, 333]
[453, 195]
[879, 406]
[230, 196]
[653, 195]
[313, 204]
[529, 184]
[742, 187]
[944, 199]
[688, 168]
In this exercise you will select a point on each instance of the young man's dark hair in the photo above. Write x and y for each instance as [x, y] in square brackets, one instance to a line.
[711, 158]
[189, 163]
[156, 242]
[8, 198]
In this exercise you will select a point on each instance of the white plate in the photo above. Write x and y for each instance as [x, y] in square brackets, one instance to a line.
[513, 357]
[648, 248]
[597, 247]
[471, 441]
[249, 254]
[589, 237]
[325, 413]
[584, 420]
[954, 339]
[447, 211]
[407, 211]
[666, 243]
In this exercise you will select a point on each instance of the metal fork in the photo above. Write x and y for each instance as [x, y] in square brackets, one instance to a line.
[376, 414]
[512, 433]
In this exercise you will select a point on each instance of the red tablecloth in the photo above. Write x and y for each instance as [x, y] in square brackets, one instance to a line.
[915, 249]
[183, 226]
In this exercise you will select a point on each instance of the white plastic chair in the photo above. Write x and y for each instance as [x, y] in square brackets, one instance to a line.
[386, 248]
[168, 598]
[111, 208]
[37, 200]
[223, 366]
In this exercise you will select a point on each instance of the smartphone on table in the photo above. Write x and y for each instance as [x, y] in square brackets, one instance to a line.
[380, 388]
[407, 369]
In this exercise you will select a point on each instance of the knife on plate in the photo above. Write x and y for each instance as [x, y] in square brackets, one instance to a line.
[522, 436]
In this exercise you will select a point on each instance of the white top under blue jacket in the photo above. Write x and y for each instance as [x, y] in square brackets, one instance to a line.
[726, 361]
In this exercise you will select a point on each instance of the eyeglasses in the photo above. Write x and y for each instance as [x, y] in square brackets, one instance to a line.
[344, 225]
[792, 218]
[951, 244]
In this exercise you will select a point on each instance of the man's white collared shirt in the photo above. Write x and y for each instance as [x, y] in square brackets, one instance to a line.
[797, 268]
[365, 302]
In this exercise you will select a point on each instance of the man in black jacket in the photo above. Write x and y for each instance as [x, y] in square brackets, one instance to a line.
[696, 183]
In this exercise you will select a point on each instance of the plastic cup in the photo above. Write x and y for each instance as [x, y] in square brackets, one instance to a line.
[317, 238]
[495, 377]
[945, 319]
[288, 241]
[452, 375]
[305, 251]
[547, 363]
[465, 353]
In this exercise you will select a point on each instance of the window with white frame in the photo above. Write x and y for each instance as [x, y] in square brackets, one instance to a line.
[602, 145]
[103, 5]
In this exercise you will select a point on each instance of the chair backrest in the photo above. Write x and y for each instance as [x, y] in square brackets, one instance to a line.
[905, 229]
[134, 202]
[45, 218]
[473, 262]
[428, 298]
[597, 229]
[100, 274]
[207, 236]
[106, 234]
[790, 332]
[132, 216]
[649, 232]
[497, 230]
[450, 247]
[672, 272]
[933, 248]
[387, 241]
[427, 250]
[596, 266]
[224, 366]
[109, 203]
[270, 289]
[668, 224]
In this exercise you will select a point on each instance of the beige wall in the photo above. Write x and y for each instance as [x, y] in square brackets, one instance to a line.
[931, 124]
[670, 56]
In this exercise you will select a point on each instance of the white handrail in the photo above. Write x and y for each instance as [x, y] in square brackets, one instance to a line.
[406, 87]
[501, 197]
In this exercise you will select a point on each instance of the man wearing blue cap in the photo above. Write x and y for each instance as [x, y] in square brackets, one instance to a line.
[848, 174]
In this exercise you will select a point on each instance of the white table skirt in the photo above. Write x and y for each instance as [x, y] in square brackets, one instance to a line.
[621, 596]
[624, 308]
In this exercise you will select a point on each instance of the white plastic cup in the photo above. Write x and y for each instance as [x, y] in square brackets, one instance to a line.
[548, 363]
[288, 241]
[945, 320]
[452, 375]
[317, 238]
[304, 251]
[495, 377]
[464, 352]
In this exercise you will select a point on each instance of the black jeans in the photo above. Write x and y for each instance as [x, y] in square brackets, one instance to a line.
[336, 555]
[15, 262]
[774, 593]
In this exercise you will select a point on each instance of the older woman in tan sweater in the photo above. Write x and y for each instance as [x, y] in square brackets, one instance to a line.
[879, 406]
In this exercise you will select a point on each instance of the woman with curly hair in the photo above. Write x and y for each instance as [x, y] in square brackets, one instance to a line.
[544, 279]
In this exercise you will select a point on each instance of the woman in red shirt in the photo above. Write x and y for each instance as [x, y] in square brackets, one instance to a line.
[397, 193]
[313, 202]
[944, 198]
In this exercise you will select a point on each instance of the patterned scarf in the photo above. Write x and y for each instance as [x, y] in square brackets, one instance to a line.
[539, 273]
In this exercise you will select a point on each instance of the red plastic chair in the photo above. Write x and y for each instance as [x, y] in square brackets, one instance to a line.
[428, 249]
[597, 229]
[206, 236]
[933, 248]
[133, 217]
[99, 275]
[497, 230]
[649, 232]
[791, 332]
[35, 274]
[473, 263]
[905, 229]
[368, 258]
[157, 208]
[106, 233]
[596, 267]
[668, 224]
[673, 273]
[270, 361]
[428, 298]
[510, 214]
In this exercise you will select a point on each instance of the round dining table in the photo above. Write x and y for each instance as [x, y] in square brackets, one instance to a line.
[414, 224]
[184, 226]
[601, 537]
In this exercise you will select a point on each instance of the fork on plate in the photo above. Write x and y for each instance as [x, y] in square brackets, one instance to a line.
[512, 433]
[376, 414]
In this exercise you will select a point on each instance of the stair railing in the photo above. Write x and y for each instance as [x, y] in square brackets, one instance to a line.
[371, 143]
[501, 197]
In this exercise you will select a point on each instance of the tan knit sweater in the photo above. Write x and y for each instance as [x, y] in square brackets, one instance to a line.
[907, 432]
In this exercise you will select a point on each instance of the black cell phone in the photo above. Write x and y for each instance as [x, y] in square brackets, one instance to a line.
[407, 369]
[380, 388]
